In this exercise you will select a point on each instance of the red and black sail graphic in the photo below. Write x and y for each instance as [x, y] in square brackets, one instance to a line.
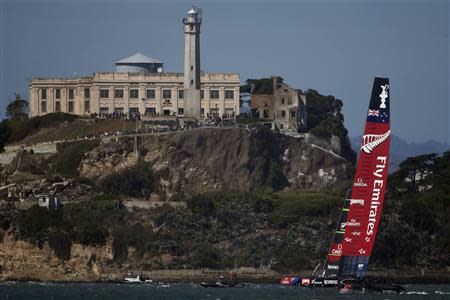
[366, 201]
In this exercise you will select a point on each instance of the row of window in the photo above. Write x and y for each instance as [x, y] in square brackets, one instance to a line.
[134, 94]
[152, 110]
[133, 110]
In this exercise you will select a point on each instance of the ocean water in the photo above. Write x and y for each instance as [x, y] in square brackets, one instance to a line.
[112, 291]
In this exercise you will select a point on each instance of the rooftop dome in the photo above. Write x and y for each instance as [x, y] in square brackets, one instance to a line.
[138, 63]
[138, 58]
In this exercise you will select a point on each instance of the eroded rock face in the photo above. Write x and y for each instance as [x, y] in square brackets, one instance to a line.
[202, 160]
[22, 260]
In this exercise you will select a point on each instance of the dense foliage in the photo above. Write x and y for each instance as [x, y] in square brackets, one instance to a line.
[415, 228]
[17, 109]
[19, 128]
[137, 181]
[325, 118]
[70, 155]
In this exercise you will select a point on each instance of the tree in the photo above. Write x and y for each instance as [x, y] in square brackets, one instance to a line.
[17, 109]
[5, 132]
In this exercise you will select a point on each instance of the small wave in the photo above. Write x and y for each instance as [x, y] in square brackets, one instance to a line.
[441, 293]
[417, 293]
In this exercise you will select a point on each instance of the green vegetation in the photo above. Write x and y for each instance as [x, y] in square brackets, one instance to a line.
[69, 156]
[137, 181]
[17, 109]
[19, 128]
[415, 226]
[259, 86]
[325, 118]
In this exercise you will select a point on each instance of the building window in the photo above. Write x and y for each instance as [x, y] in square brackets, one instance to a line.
[118, 94]
[214, 94]
[192, 68]
[70, 106]
[229, 94]
[134, 93]
[150, 111]
[293, 113]
[214, 112]
[57, 106]
[104, 93]
[282, 100]
[70, 93]
[57, 93]
[166, 112]
[87, 93]
[202, 112]
[180, 94]
[86, 106]
[229, 113]
[266, 114]
[180, 111]
[281, 126]
[202, 94]
[192, 82]
[44, 94]
[151, 94]
[134, 110]
[44, 106]
[118, 110]
[283, 114]
[167, 94]
[104, 110]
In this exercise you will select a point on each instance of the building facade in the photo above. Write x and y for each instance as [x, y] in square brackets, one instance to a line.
[140, 86]
[285, 106]
[143, 93]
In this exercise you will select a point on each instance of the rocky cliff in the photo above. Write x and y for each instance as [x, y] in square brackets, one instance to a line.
[196, 161]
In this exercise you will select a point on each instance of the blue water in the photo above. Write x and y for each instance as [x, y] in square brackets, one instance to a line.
[111, 291]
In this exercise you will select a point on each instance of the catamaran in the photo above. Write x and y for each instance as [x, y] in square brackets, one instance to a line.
[348, 256]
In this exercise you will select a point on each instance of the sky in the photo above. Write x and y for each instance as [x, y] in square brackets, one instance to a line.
[336, 47]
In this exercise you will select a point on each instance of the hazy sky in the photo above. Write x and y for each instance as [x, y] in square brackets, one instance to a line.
[336, 47]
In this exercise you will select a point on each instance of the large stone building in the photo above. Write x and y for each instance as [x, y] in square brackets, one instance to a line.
[140, 85]
[284, 106]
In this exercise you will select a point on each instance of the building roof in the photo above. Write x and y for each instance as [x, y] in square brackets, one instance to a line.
[138, 58]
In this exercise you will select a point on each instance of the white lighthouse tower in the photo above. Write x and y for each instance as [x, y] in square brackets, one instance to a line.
[192, 62]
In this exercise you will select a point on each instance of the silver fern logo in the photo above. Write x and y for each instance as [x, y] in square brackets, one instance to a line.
[371, 141]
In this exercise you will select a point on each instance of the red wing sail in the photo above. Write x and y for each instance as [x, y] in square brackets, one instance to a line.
[369, 185]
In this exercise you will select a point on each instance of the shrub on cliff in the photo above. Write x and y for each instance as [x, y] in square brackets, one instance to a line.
[137, 181]
[69, 156]
[61, 244]
[34, 223]
[206, 256]
[291, 207]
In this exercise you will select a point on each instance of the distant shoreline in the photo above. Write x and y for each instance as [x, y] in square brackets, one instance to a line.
[247, 275]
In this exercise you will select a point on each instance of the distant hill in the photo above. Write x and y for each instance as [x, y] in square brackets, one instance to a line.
[401, 149]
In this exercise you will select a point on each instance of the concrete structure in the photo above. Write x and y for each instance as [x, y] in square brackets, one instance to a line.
[286, 106]
[144, 93]
[192, 62]
[139, 63]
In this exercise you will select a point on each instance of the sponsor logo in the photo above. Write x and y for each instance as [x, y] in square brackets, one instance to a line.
[357, 201]
[328, 281]
[384, 95]
[337, 250]
[371, 141]
[353, 223]
[375, 201]
[332, 267]
[342, 226]
[360, 182]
